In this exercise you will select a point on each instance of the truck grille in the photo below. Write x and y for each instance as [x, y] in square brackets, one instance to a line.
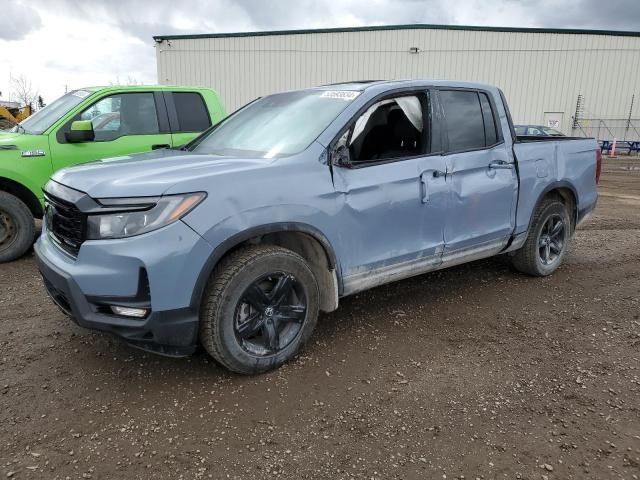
[66, 223]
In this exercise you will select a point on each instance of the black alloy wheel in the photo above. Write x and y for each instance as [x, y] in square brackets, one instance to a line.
[259, 308]
[270, 314]
[552, 239]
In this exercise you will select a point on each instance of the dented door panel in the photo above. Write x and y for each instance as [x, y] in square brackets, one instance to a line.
[383, 216]
[484, 189]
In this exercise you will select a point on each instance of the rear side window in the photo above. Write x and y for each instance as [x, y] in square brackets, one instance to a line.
[490, 131]
[463, 119]
[193, 115]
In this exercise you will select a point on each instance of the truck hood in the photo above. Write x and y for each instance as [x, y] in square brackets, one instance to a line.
[148, 174]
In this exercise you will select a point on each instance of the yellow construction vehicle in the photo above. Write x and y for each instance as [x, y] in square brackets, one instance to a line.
[10, 116]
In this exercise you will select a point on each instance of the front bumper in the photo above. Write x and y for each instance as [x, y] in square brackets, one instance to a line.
[158, 271]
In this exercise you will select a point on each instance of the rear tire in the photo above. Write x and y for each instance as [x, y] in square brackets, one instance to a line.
[17, 228]
[259, 308]
[547, 241]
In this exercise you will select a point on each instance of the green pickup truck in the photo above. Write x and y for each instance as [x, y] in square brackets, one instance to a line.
[85, 125]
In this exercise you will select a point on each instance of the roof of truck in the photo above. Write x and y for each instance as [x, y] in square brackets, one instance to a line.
[361, 85]
[97, 88]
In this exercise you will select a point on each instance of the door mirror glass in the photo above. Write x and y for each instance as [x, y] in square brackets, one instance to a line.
[81, 131]
[340, 154]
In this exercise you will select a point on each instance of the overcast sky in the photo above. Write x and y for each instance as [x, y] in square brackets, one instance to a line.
[75, 43]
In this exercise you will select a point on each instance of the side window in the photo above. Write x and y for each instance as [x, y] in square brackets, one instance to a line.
[521, 130]
[193, 115]
[490, 130]
[534, 131]
[463, 119]
[123, 114]
[391, 128]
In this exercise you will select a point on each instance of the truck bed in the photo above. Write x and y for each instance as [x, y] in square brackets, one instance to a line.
[545, 163]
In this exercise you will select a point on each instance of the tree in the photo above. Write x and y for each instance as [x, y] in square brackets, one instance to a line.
[129, 81]
[23, 90]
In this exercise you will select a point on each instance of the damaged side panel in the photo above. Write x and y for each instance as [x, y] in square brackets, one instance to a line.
[483, 198]
[394, 214]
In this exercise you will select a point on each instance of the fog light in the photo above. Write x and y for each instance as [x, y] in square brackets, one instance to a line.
[129, 311]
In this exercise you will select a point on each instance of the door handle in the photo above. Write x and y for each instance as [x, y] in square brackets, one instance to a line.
[158, 146]
[439, 173]
[500, 165]
[424, 187]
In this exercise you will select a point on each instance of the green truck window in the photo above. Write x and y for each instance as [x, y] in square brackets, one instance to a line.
[123, 114]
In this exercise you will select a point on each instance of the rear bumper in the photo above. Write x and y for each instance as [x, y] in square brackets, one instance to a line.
[84, 287]
[585, 212]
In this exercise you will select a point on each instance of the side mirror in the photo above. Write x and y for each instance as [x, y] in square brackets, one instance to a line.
[340, 154]
[81, 131]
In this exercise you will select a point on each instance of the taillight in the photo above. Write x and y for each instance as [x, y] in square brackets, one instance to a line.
[598, 164]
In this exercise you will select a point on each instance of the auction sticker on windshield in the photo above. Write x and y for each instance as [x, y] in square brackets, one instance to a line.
[80, 93]
[340, 94]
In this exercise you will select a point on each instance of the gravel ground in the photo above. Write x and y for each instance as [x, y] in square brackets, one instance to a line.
[471, 372]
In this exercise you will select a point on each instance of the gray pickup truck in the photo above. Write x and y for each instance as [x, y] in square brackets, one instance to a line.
[239, 239]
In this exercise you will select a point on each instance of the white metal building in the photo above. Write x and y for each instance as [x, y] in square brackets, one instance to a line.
[547, 75]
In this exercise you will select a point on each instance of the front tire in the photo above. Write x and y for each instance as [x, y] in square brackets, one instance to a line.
[548, 240]
[17, 228]
[259, 308]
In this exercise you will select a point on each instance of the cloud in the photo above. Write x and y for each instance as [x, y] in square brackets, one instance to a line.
[282, 14]
[583, 14]
[62, 44]
[19, 20]
[144, 19]
[590, 14]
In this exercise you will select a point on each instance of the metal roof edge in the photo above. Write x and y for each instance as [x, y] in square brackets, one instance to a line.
[413, 26]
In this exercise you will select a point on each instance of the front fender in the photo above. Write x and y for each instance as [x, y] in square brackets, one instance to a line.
[31, 172]
[238, 228]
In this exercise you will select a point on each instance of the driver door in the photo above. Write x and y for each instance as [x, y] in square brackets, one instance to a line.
[393, 192]
[123, 123]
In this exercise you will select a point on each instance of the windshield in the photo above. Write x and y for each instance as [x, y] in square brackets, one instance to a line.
[278, 125]
[43, 119]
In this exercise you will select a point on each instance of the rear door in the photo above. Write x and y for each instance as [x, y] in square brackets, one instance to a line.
[188, 116]
[123, 123]
[481, 173]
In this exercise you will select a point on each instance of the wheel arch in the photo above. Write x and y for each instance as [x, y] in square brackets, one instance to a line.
[301, 238]
[569, 195]
[23, 193]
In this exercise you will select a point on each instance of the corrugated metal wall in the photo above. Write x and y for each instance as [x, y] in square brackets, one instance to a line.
[539, 72]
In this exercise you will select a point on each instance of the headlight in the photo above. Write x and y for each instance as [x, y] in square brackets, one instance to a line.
[135, 216]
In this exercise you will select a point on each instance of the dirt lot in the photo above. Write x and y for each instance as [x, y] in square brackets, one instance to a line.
[472, 372]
